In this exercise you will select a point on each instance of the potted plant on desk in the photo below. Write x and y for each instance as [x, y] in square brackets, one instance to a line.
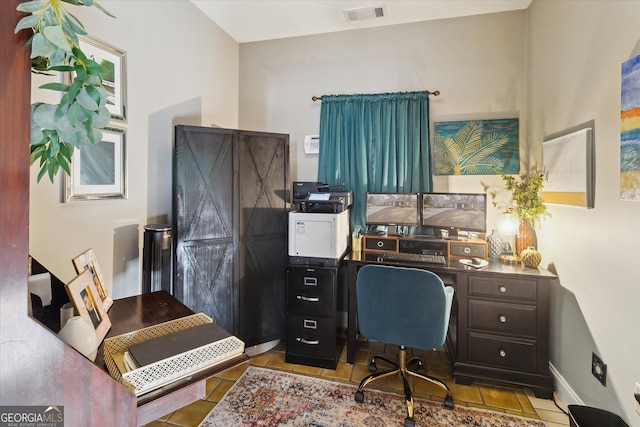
[526, 204]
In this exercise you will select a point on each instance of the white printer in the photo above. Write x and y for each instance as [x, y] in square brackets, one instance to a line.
[318, 238]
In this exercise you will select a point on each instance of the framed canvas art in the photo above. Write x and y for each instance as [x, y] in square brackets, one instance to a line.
[476, 147]
[114, 80]
[98, 171]
[630, 130]
[568, 162]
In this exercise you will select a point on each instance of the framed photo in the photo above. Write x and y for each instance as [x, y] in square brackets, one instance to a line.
[476, 147]
[114, 80]
[86, 302]
[98, 171]
[87, 261]
[568, 162]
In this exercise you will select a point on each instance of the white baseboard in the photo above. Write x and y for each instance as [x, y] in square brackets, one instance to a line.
[566, 394]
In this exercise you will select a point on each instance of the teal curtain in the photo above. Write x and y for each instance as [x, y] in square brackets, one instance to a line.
[376, 143]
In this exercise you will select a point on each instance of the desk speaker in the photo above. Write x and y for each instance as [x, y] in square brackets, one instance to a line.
[472, 248]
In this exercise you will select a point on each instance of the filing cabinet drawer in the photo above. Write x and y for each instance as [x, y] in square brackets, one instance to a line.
[492, 287]
[501, 352]
[311, 291]
[311, 335]
[502, 317]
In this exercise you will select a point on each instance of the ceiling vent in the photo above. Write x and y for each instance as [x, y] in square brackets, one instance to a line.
[362, 13]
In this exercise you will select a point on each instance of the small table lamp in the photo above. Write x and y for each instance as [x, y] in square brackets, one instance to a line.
[508, 226]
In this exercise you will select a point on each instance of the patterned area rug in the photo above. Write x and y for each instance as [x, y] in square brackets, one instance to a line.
[263, 397]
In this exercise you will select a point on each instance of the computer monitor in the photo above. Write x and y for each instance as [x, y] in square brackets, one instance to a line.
[454, 212]
[393, 209]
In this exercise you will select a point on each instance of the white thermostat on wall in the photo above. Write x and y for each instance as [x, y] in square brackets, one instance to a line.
[311, 144]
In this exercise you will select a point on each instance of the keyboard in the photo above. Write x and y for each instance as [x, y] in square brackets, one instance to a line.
[419, 258]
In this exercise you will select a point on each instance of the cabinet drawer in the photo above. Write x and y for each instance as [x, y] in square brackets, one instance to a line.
[317, 301]
[508, 353]
[502, 317]
[311, 276]
[311, 291]
[378, 243]
[491, 286]
[312, 335]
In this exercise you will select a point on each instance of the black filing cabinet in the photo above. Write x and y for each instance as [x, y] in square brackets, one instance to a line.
[311, 315]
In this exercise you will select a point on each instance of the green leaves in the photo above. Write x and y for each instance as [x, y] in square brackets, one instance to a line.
[525, 195]
[30, 6]
[27, 22]
[56, 35]
[56, 130]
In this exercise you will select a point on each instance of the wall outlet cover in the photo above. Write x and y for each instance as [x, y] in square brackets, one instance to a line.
[599, 369]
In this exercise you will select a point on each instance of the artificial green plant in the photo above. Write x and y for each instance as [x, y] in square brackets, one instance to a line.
[56, 130]
[525, 200]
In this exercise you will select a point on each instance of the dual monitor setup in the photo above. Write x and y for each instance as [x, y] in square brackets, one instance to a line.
[438, 214]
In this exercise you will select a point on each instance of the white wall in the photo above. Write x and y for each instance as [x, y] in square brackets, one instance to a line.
[477, 63]
[574, 58]
[181, 68]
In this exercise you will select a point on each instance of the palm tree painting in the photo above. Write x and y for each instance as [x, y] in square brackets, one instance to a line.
[476, 147]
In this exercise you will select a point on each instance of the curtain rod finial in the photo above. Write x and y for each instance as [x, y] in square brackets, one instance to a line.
[316, 98]
[435, 93]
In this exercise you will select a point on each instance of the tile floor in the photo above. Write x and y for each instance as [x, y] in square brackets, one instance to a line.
[512, 400]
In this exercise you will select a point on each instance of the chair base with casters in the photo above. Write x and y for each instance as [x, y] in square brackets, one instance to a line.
[401, 368]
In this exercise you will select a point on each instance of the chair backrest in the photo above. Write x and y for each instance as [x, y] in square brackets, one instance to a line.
[403, 306]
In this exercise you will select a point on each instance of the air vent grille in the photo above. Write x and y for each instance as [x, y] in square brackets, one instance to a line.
[362, 13]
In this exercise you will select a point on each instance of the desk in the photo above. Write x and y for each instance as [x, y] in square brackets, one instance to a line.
[499, 328]
[141, 311]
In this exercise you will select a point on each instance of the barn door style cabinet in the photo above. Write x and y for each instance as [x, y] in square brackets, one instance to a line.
[231, 199]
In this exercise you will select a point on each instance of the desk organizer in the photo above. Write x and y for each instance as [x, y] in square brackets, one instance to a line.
[153, 376]
[378, 244]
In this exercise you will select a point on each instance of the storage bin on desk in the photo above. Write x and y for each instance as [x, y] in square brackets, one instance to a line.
[153, 376]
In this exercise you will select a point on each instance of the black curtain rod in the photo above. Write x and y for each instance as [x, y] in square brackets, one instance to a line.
[319, 98]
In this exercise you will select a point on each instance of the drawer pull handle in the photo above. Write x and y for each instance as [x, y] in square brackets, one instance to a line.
[502, 318]
[311, 281]
[502, 353]
[380, 243]
[503, 289]
[308, 299]
[309, 324]
[310, 342]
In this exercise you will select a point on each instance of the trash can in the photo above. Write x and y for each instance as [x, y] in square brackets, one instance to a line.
[157, 259]
[585, 416]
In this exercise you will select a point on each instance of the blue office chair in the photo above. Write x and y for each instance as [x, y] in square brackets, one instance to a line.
[407, 307]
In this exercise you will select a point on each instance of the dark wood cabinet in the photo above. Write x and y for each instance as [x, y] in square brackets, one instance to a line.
[503, 332]
[231, 199]
[311, 316]
[499, 327]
